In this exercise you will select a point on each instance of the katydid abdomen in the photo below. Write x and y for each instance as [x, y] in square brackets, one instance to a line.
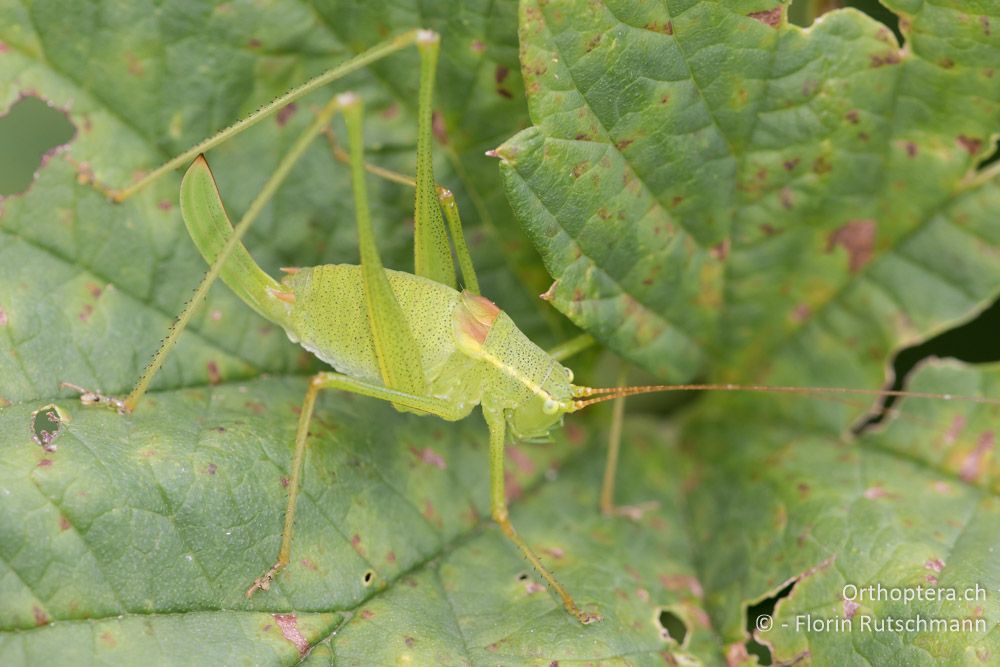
[328, 318]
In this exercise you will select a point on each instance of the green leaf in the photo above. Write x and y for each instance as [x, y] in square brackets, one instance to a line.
[131, 539]
[718, 193]
[711, 187]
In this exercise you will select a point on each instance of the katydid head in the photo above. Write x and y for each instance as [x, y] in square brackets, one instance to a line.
[535, 418]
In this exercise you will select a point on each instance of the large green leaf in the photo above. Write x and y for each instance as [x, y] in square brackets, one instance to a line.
[710, 186]
[130, 540]
[718, 193]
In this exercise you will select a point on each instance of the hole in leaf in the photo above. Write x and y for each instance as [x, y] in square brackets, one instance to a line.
[973, 342]
[804, 13]
[523, 576]
[46, 423]
[672, 626]
[29, 130]
[763, 608]
[369, 576]
[994, 157]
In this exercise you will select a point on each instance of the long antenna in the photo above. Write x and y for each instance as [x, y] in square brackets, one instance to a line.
[609, 393]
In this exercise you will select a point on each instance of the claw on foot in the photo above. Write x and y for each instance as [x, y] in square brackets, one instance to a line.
[263, 583]
[88, 397]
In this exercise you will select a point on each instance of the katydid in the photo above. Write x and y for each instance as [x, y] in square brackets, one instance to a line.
[414, 340]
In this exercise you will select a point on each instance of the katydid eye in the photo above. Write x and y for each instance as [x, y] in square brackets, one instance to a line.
[550, 407]
[569, 374]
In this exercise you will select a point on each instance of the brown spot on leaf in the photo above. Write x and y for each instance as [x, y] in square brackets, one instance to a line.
[947, 63]
[935, 564]
[390, 557]
[3, 318]
[973, 464]
[594, 41]
[214, 376]
[821, 165]
[135, 67]
[622, 144]
[430, 513]
[211, 468]
[720, 251]
[512, 490]
[883, 59]
[64, 523]
[876, 492]
[367, 614]
[45, 463]
[771, 17]
[911, 149]
[164, 205]
[736, 655]
[309, 565]
[438, 128]
[984, 21]
[409, 641]
[954, 430]
[943, 488]
[791, 164]
[289, 625]
[521, 460]
[680, 582]
[801, 313]
[108, 639]
[850, 606]
[477, 46]
[430, 457]
[285, 114]
[970, 144]
[857, 237]
[253, 43]
[575, 434]
[41, 618]
[390, 111]
[531, 586]
[255, 407]
[86, 312]
[501, 73]
[787, 198]
[662, 27]
[853, 117]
